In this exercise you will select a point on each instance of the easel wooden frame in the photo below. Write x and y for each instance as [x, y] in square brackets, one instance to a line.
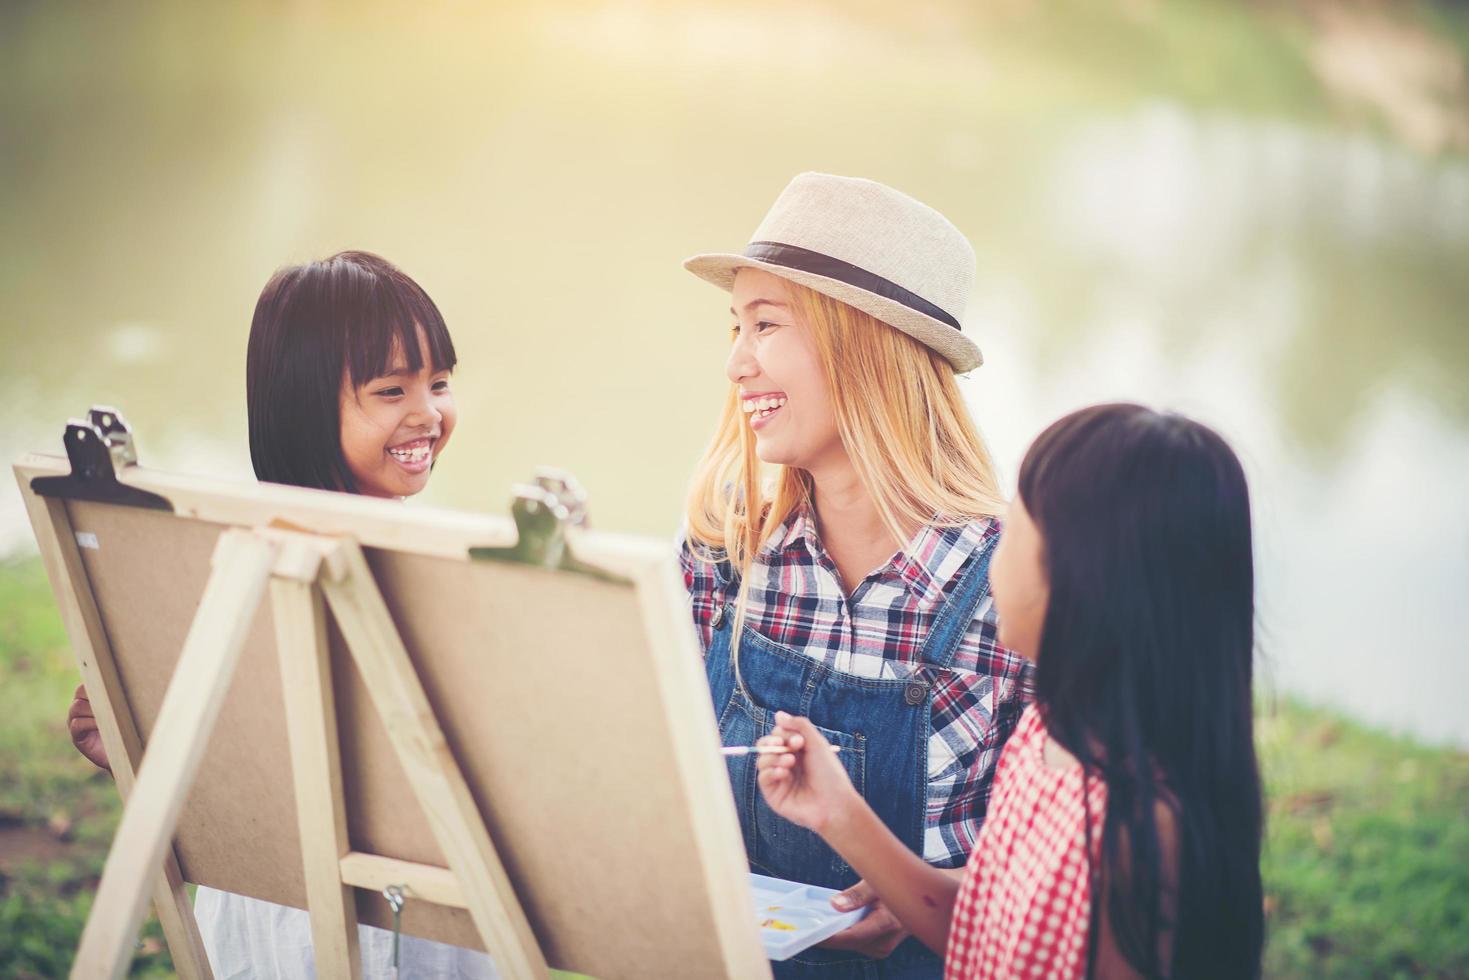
[306, 573]
[299, 569]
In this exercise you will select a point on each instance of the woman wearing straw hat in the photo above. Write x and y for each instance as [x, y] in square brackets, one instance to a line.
[852, 585]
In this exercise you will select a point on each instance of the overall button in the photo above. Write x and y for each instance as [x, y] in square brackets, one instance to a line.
[718, 621]
[915, 693]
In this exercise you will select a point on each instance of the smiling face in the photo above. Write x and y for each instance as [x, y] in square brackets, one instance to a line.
[395, 426]
[783, 388]
[1019, 583]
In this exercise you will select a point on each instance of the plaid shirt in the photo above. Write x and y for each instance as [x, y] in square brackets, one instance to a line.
[796, 599]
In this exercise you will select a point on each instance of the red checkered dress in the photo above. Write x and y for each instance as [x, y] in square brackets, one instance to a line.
[1024, 907]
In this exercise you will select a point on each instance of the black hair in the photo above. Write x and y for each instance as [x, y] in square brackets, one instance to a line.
[1145, 668]
[316, 327]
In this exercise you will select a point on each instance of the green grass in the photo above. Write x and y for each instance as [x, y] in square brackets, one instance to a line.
[1366, 863]
[1367, 851]
[57, 813]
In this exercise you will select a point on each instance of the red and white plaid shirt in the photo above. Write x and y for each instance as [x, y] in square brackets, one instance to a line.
[1024, 906]
[796, 599]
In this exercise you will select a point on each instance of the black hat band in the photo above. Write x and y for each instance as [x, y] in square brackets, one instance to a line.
[805, 260]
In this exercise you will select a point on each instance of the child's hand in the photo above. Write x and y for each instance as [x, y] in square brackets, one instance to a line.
[83, 727]
[808, 786]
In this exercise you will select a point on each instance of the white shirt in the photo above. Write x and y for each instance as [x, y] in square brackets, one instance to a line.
[249, 938]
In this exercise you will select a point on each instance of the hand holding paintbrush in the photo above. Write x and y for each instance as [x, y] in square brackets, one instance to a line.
[800, 775]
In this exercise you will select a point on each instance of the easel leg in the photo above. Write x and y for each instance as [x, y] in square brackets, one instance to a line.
[242, 565]
[311, 719]
[437, 782]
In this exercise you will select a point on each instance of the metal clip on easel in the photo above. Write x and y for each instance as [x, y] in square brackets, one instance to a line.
[543, 511]
[99, 447]
[567, 490]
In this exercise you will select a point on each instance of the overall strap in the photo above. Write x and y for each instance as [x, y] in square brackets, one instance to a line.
[725, 576]
[957, 612]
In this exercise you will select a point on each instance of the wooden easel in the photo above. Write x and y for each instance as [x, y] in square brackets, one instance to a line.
[115, 724]
[433, 629]
[300, 570]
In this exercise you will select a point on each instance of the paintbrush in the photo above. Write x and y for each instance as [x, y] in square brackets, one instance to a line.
[762, 750]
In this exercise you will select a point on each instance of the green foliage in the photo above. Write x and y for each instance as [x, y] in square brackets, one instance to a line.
[57, 813]
[1203, 53]
[1366, 859]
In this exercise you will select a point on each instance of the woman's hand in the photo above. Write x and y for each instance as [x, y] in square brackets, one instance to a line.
[808, 785]
[83, 727]
[877, 934]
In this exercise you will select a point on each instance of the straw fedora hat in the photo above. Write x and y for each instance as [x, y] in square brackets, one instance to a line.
[869, 246]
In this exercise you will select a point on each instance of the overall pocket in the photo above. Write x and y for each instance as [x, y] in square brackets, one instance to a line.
[776, 846]
[737, 726]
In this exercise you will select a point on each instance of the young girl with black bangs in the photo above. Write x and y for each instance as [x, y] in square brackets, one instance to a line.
[347, 389]
[1123, 838]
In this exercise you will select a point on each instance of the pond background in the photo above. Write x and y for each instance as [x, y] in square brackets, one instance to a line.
[1256, 214]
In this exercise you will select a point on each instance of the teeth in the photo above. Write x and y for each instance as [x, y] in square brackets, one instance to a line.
[763, 406]
[415, 455]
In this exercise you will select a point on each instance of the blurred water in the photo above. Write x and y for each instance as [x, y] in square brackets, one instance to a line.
[541, 171]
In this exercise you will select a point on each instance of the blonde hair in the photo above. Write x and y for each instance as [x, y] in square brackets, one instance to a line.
[902, 421]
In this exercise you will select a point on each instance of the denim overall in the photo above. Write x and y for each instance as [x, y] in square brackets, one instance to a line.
[883, 727]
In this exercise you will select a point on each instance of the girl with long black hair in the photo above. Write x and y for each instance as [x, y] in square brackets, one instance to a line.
[1124, 830]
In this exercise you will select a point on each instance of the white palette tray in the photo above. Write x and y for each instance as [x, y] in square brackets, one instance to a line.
[793, 916]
